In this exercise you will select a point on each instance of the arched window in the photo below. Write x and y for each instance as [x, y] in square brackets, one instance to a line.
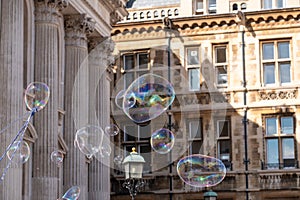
[176, 12]
[134, 16]
[155, 14]
[234, 6]
[163, 13]
[141, 15]
[148, 14]
[169, 13]
[243, 6]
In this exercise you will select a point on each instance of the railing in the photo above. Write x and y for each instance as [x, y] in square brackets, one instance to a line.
[294, 164]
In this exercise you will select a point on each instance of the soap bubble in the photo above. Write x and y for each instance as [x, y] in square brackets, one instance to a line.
[201, 171]
[119, 99]
[72, 193]
[106, 150]
[19, 152]
[57, 157]
[151, 94]
[88, 139]
[162, 141]
[112, 129]
[36, 95]
[118, 159]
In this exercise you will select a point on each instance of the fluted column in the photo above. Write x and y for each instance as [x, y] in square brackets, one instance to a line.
[76, 98]
[45, 172]
[11, 89]
[100, 59]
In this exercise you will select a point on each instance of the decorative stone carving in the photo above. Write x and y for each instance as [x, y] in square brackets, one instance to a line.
[77, 28]
[277, 94]
[48, 11]
[220, 97]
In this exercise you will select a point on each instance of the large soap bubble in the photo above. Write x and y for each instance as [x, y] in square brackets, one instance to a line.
[112, 130]
[72, 193]
[147, 97]
[201, 171]
[36, 95]
[19, 152]
[89, 139]
[162, 141]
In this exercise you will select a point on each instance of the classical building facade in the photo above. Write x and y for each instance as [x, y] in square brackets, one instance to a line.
[52, 41]
[234, 68]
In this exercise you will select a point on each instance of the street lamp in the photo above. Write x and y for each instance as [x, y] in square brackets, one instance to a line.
[133, 165]
[210, 195]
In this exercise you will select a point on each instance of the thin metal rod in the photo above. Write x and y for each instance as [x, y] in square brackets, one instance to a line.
[245, 120]
[170, 120]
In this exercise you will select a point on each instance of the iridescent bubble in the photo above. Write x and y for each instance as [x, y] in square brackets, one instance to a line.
[72, 193]
[118, 159]
[112, 130]
[57, 157]
[119, 99]
[88, 139]
[162, 141]
[151, 94]
[37, 95]
[201, 171]
[19, 152]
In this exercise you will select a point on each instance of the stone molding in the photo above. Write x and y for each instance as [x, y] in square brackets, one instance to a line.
[48, 11]
[77, 28]
[277, 95]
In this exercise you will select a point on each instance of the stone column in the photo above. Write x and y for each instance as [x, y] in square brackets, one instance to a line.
[100, 59]
[76, 99]
[11, 90]
[45, 173]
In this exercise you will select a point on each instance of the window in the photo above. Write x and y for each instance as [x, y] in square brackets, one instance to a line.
[243, 6]
[135, 65]
[220, 63]
[234, 6]
[199, 6]
[269, 4]
[224, 141]
[280, 142]
[193, 65]
[212, 6]
[276, 62]
[194, 136]
[139, 137]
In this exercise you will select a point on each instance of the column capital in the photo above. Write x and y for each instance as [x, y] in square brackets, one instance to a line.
[48, 11]
[77, 27]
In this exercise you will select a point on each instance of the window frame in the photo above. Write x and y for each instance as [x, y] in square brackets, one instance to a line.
[274, 4]
[193, 66]
[227, 162]
[276, 63]
[218, 65]
[136, 70]
[279, 138]
[191, 138]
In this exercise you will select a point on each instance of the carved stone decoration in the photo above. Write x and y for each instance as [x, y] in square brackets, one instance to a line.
[277, 95]
[49, 10]
[220, 97]
[77, 28]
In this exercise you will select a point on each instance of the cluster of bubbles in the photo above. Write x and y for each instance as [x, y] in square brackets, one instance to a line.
[201, 171]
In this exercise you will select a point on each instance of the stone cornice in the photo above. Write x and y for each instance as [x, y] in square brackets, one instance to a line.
[213, 22]
[48, 11]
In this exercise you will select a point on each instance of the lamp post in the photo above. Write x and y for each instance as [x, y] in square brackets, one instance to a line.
[210, 195]
[133, 165]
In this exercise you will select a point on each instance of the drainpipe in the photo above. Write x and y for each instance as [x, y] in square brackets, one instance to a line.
[242, 20]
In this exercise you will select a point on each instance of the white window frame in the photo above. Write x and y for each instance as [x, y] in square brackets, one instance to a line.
[191, 138]
[220, 65]
[193, 66]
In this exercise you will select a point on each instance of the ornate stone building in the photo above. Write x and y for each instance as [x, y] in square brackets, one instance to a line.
[233, 65]
[52, 41]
